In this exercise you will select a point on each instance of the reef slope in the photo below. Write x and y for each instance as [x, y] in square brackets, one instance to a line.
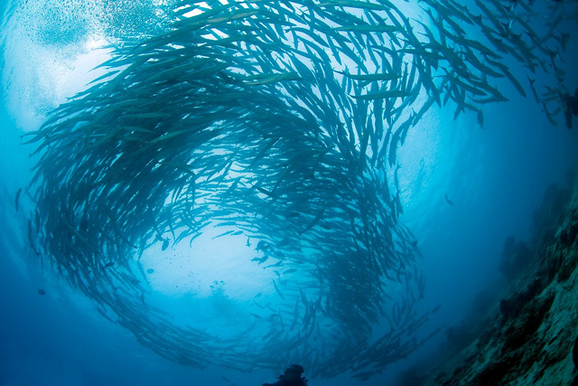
[530, 336]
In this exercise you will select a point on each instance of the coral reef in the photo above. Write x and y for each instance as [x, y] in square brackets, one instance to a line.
[530, 335]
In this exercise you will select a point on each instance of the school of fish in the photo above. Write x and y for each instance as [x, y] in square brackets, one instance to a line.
[281, 120]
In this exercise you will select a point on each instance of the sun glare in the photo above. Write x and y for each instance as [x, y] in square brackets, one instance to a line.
[219, 261]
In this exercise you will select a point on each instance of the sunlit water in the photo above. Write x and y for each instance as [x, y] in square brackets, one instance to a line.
[495, 177]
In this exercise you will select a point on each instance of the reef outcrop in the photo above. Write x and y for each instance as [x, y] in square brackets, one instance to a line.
[531, 333]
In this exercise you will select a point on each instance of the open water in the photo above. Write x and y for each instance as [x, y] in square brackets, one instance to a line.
[464, 188]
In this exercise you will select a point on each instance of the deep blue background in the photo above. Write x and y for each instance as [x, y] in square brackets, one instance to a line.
[495, 175]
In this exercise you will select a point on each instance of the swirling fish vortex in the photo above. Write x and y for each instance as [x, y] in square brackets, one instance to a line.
[280, 120]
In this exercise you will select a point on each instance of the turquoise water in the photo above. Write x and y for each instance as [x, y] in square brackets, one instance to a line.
[464, 189]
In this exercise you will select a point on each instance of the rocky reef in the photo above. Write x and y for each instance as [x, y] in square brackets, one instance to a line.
[529, 332]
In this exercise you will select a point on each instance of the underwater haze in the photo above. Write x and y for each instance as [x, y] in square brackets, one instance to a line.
[204, 193]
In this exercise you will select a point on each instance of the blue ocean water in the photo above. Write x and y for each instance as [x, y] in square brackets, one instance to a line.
[464, 189]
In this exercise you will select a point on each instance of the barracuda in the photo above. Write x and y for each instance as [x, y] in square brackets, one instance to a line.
[280, 120]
